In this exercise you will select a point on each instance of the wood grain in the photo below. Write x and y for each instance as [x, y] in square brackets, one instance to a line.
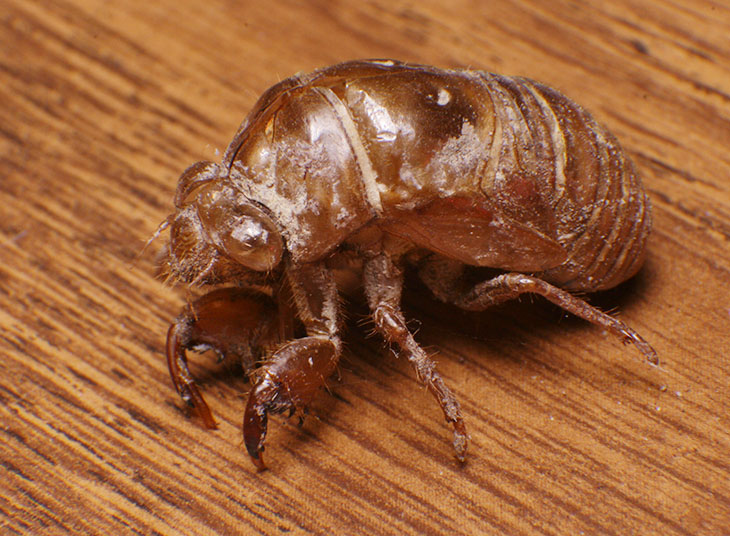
[105, 103]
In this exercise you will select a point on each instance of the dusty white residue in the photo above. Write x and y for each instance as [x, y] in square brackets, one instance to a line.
[408, 178]
[264, 154]
[249, 229]
[499, 178]
[458, 157]
[443, 97]
[497, 222]
[343, 218]
[317, 126]
[335, 201]
[215, 196]
[286, 212]
[509, 112]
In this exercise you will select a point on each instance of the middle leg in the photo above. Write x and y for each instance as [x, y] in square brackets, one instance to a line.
[383, 282]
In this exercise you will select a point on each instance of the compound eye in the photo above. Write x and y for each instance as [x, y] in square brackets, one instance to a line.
[253, 243]
[239, 229]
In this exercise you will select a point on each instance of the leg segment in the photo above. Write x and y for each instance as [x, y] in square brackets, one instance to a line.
[297, 369]
[230, 321]
[383, 287]
[444, 278]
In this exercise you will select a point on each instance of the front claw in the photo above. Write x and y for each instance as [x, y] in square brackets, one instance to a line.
[288, 381]
[232, 322]
[255, 420]
[183, 381]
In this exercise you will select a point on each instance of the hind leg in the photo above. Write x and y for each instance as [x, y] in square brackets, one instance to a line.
[446, 280]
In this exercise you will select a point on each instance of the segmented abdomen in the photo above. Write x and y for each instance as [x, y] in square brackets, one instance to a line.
[599, 211]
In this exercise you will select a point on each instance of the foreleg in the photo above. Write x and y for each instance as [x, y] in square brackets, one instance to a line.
[296, 370]
[230, 321]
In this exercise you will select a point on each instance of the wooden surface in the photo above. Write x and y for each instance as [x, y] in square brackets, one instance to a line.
[105, 103]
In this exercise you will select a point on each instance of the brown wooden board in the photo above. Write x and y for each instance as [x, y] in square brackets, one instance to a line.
[103, 104]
